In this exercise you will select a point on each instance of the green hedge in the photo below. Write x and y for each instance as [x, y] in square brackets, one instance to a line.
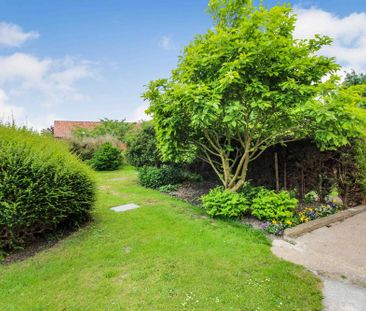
[42, 187]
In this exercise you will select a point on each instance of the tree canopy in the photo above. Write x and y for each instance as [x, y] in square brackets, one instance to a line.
[246, 85]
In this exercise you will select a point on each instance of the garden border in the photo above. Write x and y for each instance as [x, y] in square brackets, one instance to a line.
[310, 226]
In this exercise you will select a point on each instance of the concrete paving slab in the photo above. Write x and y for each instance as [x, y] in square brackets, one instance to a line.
[338, 253]
[343, 297]
[337, 249]
[124, 208]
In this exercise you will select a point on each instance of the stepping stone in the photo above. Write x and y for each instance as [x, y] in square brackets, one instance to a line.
[124, 208]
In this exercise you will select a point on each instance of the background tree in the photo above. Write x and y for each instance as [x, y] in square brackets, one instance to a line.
[356, 81]
[114, 128]
[142, 147]
[246, 85]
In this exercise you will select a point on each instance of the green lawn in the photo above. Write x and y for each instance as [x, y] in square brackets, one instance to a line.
[163, 256]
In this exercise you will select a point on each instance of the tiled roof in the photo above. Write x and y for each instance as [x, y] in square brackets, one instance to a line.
[63, 129]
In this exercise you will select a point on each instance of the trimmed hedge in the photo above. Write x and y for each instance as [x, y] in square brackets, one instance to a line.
[43, 187]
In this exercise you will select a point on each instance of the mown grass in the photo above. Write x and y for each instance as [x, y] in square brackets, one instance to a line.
[163, 256]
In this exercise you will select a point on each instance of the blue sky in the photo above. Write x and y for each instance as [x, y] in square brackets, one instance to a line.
[89, 59]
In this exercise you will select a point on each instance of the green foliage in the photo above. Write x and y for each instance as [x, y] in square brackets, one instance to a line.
[42, 187]
[156, 177]
[168, 188]
[323, 210]
[107, 158]
[354, 78]
[272, 206]
[246, 85]
[223, 202]
[85, 147]
[115, 128]
[311, 197]
[359, 148]
[250, 192]
[142, 147]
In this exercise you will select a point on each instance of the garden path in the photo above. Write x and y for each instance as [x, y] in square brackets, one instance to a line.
[338, 254]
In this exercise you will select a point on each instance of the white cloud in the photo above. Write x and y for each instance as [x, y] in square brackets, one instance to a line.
[39, 84]
[12, 35]
[139, 114]
[53, 79]
[166, 43]
[349, 34]
[8, 113]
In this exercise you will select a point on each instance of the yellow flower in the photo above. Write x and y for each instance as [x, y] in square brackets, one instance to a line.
[289, 222]
[274, 222]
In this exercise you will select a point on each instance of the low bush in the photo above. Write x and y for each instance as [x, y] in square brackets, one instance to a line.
[273, 206]
[221, 202]
[156, 177]
[42, 187]
[85, 147]
[107, 158]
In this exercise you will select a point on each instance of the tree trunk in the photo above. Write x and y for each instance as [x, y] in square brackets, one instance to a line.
[276, 172]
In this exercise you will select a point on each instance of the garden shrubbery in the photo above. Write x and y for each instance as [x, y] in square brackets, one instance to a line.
[42, 187]
[85, 147]
[107, 158]
[274, 206]
[156, 177]
[223, 202]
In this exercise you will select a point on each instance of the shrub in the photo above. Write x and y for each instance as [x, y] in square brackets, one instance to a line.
[270, 205]
[221, 202]
[42, 187]
[107, 158]
[250, 192]
[142, 147]
[155, 177]
[85, 147]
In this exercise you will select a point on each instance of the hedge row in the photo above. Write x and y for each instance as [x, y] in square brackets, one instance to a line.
[42, 187]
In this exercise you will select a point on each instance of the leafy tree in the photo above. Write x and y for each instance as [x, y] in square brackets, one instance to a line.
[244, 86]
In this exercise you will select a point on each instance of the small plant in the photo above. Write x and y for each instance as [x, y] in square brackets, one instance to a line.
[311, 197]
[107, 158]
[311, 213]
[220, 202]
[274, 227]
[270, 205]
[168, 188]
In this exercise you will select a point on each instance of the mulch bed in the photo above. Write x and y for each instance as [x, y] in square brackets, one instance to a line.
[192, 191]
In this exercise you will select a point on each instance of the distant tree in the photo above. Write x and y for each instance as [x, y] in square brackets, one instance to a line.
[246, 85]
[48, 131]
[115, 128]
[356, 81]
[354, 78]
